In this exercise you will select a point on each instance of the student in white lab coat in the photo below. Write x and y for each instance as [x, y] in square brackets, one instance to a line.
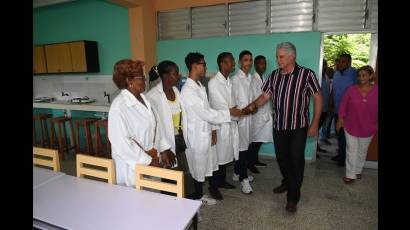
[167, 106]
[241, 92]
[227, 145]
[133, 131]
[197, 127]
[261, 130]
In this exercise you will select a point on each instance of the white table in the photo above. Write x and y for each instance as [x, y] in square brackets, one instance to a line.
[42, 176]
[77, 203]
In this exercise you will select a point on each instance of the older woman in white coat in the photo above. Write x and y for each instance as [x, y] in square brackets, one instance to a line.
[261, 130]
[168, 108]
[133, 131]
[197, 127]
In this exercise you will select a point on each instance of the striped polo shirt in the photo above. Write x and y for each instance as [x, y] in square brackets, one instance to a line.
[290, 95]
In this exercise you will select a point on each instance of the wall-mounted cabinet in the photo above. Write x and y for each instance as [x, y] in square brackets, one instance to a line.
[39, 60]
[71, 57]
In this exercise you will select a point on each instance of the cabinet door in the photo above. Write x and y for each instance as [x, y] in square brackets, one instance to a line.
[39, 60]
[58, 58]
[78, 58]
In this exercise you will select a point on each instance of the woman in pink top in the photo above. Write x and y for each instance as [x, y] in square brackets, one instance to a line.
[358, 115]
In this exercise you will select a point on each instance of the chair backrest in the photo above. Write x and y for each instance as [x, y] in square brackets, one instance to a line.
[141, 180]
[46, 157]
[82, 169]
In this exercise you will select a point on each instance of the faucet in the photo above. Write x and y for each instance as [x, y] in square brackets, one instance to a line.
[108, 96]
[64, 94]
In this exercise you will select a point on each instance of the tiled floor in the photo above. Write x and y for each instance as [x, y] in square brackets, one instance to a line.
[326, 202]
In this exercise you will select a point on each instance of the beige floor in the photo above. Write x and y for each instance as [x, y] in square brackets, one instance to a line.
[326, 202]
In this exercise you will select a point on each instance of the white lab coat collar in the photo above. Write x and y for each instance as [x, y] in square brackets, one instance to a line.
[220, 77]
[193, 84]
[242, 74]
[129, 98]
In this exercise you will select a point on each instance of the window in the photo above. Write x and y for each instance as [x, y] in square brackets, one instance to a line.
[291, 15]
[174, 24]
[346, 15]
[248, 17]
[209, 21]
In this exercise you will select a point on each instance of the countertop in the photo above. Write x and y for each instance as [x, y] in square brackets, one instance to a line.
[95, 106]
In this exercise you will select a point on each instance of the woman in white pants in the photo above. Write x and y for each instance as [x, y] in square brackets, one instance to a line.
[358, 115]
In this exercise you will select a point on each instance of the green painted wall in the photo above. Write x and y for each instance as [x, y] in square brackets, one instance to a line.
[100, 21]
[308, 54]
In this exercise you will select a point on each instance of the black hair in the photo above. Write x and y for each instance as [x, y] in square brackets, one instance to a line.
[193, 58]
[346, 55]
[259, 57]
[243, 53]
[164, 67]
[221, 57]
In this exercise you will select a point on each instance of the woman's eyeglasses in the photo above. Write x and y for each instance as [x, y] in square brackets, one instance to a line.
[138, 77]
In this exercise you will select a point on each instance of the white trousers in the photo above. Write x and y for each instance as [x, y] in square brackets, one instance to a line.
[356, 152]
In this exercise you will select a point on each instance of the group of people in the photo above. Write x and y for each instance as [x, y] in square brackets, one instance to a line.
[201, 132]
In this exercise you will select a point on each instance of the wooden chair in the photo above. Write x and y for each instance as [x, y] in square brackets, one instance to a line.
[86, 124]
[101, 149]
[83, 170]
[144, 170]
[46, 157]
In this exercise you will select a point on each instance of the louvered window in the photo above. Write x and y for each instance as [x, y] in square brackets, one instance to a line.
[337, 15]
[209, 21]
[291, 15]
[373, 10]
[174, 24]
[248, 17]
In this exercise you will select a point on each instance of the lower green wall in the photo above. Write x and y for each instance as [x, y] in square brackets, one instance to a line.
[308, 54]
[96, 20]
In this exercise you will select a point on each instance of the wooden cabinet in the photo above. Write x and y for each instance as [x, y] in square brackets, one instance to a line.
[39, 60]
[71, 57]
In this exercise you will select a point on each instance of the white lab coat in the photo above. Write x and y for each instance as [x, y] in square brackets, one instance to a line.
[128, 118]
[220, 97]
[197, 128]
[261, 129]
[241, 93]
[160, 106]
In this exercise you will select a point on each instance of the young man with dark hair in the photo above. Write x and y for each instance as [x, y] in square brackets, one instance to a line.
[261, 121]
[241, 94]
[198, 127]
[220, 98]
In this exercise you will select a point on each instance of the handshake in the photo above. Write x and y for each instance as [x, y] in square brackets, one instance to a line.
[249, 109]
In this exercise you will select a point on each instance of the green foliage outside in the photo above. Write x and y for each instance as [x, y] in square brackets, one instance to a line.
[357, 45]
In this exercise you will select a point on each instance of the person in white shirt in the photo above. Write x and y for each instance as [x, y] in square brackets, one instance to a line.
[198, 125]
[167, 106]
[241, 93]
[133, 130]
[261, 130]
[227, 145]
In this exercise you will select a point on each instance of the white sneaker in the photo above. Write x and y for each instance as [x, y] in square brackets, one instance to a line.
[207, 200]
[246, 187]
[235, 177]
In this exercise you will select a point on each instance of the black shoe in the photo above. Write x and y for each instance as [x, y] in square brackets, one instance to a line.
[335, 158]
[215, 193]
[253, 169]
[341, 163]
[280, 189]
[291, 206]
[260, 164]
[226, 185]
[321, 150]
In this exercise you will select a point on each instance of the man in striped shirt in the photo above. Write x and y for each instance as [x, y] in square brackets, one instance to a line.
[290, 87]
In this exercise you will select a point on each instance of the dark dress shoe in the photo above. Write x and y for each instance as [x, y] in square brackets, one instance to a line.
[226, 185]
[253, 169]
[260, 164]
[291, 206]
[215, 193]
[280, 189]
[341, 163]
